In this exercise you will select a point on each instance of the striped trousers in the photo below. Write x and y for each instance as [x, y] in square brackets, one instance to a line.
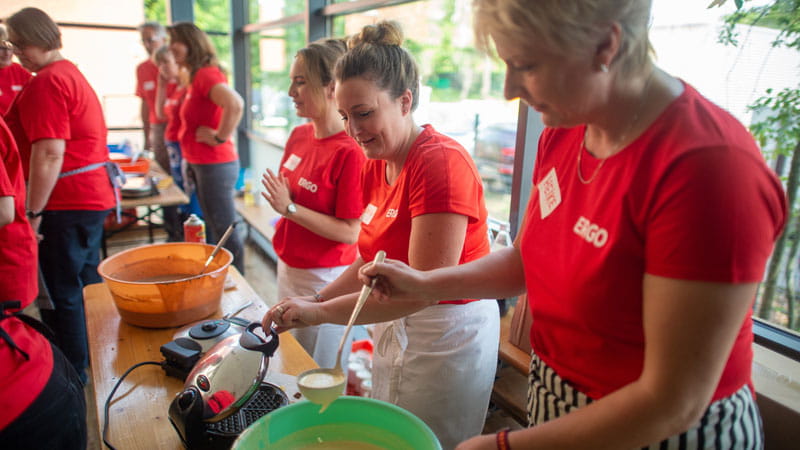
[729, 423]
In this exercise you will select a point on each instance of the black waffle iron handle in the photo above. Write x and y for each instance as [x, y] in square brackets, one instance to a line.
[254, 342]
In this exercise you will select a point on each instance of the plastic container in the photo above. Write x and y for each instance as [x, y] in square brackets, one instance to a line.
[141, 165]
[156, 286]
[348, 423]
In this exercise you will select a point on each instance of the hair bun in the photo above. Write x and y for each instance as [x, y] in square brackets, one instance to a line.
[382, 33]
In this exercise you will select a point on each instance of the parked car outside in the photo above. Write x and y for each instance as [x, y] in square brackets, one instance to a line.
[494, 155]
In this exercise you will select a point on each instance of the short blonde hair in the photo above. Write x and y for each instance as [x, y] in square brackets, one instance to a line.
[567, 25]
[32, 26]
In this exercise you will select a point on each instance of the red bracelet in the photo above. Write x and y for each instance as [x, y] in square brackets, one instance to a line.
[502, 439]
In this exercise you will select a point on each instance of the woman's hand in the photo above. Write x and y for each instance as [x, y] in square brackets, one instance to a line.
[398, 281]
[206, 136]
[293, 312]
[277, 191]
[36, 222]
[483, 442]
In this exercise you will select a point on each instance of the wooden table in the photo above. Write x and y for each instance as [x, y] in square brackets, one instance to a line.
[138, 414]
[169, 194]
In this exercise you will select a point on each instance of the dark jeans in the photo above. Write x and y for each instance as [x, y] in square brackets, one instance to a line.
[56, 419]
[173, 224]
[68, 257]
[215, 191]
[176, 170]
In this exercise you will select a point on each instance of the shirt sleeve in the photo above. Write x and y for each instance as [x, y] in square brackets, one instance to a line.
[349, 187]
[6, 189]
[46, 110]
[444, 182]
[714, 225]
[207, 78]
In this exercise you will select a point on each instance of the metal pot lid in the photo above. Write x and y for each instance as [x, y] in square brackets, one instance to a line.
[231, 371]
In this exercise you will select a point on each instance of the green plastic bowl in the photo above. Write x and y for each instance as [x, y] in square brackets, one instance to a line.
[349, 422]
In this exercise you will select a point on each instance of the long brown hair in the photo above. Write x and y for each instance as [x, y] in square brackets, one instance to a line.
[200, 52]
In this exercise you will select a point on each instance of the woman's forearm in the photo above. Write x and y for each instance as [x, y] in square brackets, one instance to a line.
[496, 275]
[329, 227]
[232, 108]
[47, 157]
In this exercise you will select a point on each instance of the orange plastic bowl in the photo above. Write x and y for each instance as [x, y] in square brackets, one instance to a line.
[141, 165]
[157, 286]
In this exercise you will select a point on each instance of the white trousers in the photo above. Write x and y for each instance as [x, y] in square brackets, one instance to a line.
[321, 341]
[440, 364]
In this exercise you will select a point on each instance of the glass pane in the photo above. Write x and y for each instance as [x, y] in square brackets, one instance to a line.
[462, 90]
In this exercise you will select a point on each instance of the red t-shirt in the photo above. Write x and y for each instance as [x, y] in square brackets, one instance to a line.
[438, 177]
[692, 199]
[12, 78]
[324, 175]
[146, 82]
[198, 110]
[22, 380]
[172, 106]
[58, 103]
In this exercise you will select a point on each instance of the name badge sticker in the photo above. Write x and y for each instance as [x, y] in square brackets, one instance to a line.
[292, 162]
[369, 213]
[149, 85]
[549, 193]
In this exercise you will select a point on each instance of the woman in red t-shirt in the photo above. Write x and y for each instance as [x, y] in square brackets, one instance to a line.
[170, 93]
[209, 115]
[318, 193]
[424, 205]
[60, 131]
[12, 76]
[40, 389]
[651, 219]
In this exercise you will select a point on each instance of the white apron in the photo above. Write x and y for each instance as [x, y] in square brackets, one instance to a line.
[440, 364]
[321, 341]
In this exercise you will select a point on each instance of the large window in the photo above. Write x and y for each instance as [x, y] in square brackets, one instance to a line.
[461, 92]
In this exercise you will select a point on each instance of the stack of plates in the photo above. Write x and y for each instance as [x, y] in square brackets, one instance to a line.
[137, 185]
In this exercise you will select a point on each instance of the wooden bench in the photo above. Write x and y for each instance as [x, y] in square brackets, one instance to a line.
[260, 218]
[510, 391]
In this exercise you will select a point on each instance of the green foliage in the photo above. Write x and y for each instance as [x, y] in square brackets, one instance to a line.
[155, 10]
[782, 127]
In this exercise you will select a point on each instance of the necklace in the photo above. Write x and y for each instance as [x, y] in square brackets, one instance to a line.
[621, 139]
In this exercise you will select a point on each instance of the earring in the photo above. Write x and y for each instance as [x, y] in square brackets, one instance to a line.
[603, 68]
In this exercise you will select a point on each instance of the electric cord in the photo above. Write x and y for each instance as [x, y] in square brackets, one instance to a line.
[111, 395]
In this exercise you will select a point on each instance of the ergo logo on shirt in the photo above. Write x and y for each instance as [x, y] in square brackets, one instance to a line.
[590, 232]
[303, 183]
[391, 212]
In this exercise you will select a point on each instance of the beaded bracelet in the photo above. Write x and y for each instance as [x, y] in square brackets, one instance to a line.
[502, 439]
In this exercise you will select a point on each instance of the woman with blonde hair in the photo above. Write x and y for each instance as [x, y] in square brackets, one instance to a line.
[423, 204]
[209, 116]
[649, 227]
[318, 193]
